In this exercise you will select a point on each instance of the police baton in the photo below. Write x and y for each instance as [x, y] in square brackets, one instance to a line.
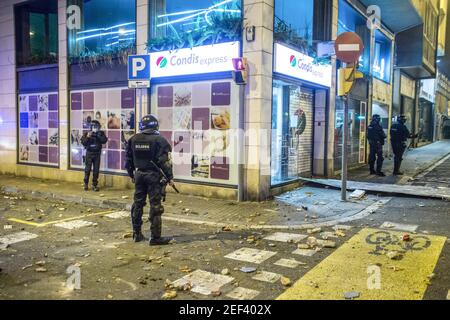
[164, 175]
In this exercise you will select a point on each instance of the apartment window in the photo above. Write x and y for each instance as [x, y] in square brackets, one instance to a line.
[176, 24]
[36, 28]
[382, 57]
[107, 30]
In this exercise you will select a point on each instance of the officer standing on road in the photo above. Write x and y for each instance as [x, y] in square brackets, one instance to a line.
[376, 137]
[399, 136]
[93, 142]
[147, 152]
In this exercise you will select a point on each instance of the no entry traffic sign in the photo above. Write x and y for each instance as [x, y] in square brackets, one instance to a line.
[348, 47]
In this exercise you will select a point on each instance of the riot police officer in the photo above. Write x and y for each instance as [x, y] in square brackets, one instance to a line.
[399, 136]
[93, 142]
[376, 137]
[147, 152]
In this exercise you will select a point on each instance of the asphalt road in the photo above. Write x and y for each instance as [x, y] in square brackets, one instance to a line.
[112, 267]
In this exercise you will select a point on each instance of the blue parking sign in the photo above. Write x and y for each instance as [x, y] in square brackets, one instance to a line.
[139, 67]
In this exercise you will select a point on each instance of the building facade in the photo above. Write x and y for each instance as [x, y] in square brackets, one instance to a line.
[64, 64]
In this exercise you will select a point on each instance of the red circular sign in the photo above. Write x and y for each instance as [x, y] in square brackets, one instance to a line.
[349, 47]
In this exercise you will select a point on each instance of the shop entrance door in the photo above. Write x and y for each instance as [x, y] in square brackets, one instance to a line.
[292, 132]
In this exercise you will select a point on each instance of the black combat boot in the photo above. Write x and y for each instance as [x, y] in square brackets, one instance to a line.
[95, 188]
[86, 187]
[381, 174]
[161, 241]
[398, 173]
[138, 236]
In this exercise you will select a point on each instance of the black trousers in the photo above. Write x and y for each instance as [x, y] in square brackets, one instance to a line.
[92, 162]
[376, 155]
[147, 184]
[399, 150]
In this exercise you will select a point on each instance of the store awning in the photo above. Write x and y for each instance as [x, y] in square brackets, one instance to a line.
[397, 15]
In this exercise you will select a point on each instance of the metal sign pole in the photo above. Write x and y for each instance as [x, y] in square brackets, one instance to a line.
[344, 150]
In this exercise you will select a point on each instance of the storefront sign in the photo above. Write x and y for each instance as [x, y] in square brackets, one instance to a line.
[198, 60]
[301, 66]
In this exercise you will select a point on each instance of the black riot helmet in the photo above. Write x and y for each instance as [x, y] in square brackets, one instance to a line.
[376, 118]
[149, 122]
[95, 125]
[402, 118]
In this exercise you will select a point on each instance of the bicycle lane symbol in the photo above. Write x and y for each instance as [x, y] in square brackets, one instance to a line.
[384, 241]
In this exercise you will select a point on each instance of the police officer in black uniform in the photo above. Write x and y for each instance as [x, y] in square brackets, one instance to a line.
[399, 136]
[376, 137]
[142, 149]
[92, 142]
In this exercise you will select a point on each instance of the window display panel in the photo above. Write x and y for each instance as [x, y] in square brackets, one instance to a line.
[177, 24]
[38, 129]
[292, 132]
[115, 110]
[200, 120]
[382, 60]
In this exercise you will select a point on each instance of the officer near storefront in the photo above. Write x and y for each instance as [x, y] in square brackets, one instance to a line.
[149, 166]
[93, 142]
[399, 136]
[376, 137]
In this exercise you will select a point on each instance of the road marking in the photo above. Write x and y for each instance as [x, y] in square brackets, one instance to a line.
[404, 279]
[265, 276]
[17, 237]
[203, 282]
[289, 263]
[286, 237]
[241, 293]
[305, 252]
[74, 224]
[251, 255]
[44, 224]
[399, 226]
[119, 215]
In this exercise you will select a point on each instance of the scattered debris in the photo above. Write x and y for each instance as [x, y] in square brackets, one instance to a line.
[315, 230]
[125, 197]
[406, 237]
[448, 295]
[303, 246]
[351, 295]
[241, 293]
[313, 284]
[248, 269]
[357, 194]
[394, 255]
[225, 272]
[289, 263]
[339, 233]
[185, 269]
[27, 266]
[431, 276]
[265, 276]
[216, 293]
[109, 296]
[40, 263]
[286, 281]
[226, 228]
[127, 235]
[41, 269]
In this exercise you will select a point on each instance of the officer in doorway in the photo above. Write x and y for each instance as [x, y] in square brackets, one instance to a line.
[147, 153]
[93, 142]
[376, 137]
[399, 135]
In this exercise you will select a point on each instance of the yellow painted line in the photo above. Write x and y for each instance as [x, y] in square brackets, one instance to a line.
[360, 265]
[44, 224]
[34, 224]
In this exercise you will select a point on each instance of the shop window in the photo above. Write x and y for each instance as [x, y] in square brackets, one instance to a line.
[382, 57]
[349, 20]
[38, 129]
[115, 110]
[36, 29]
[106, 31]
[292, 130]
[299, 25]
[200, 121]
[176, 24]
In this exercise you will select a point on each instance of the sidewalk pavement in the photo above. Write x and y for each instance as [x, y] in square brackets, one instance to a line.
[303, 208]
[414, 162]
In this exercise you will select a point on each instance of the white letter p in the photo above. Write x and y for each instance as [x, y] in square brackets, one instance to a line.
[138, 65]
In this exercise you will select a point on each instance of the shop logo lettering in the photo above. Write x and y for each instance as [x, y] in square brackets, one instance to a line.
[161, 62]
[293, 61]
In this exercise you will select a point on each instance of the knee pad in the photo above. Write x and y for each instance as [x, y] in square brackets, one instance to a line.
[157, 210]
